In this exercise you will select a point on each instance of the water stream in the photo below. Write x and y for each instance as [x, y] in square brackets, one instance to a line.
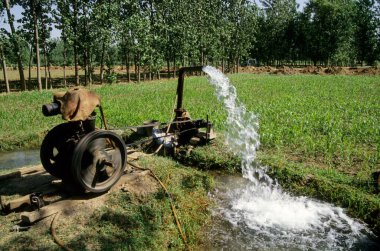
[255, 213]
[17, 159]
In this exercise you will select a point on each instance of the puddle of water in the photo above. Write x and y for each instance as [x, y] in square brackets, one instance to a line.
[241, 222]
[9, 160]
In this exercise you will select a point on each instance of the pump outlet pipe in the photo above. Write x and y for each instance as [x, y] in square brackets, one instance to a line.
[181, 75]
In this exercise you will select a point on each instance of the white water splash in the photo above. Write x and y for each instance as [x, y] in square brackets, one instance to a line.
[276, 218]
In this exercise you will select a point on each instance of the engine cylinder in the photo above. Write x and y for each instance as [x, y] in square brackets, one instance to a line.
[51, 109]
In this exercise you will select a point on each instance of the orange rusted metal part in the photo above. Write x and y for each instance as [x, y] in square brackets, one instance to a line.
[76, 104]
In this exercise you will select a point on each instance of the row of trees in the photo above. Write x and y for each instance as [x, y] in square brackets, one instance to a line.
[150, 35]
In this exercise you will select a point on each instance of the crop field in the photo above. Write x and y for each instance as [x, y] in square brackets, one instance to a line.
[320, 134]
[332, 121]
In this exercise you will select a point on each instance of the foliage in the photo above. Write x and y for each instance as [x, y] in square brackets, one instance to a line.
[111, 77]
[329, 27]
[150, 35]
[276, 24]
[365, 39]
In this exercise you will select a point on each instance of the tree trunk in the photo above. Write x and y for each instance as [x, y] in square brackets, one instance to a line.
[90, 70]
[150, 73]
[30, 68]
[202, 60]
[76, 66]
[102, 63]
[16, 45]
[86, 49]
[135, 66]
[47, 64]
[168, 67]
[85, 67]
[49, 72]
[45, 68]
[64, 62]
[37, 47]
[4, 66]
[174, 67]
[75, 31]
[128, 69]
[138, 67]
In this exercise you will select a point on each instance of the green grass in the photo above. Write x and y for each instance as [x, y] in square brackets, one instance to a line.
[128, 221]
[330, 120]
[355, 192]
[326, 126]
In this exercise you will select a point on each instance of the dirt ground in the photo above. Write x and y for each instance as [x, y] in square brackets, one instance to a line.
[318, 70]
[59, 199]
[333, 70]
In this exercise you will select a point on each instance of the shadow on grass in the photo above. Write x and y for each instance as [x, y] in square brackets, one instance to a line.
[24, 242]
[133, 226]
[25, 185]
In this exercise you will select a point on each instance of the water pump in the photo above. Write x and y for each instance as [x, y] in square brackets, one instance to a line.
[183, 130]
[93, 159]
[85, 158]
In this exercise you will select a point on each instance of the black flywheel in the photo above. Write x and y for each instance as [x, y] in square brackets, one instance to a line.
[56, 150]
[98, 161]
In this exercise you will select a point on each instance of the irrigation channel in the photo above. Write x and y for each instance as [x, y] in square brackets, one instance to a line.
[17, 159]
[254, 213]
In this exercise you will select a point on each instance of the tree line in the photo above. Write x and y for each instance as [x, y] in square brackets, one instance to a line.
[149, 37]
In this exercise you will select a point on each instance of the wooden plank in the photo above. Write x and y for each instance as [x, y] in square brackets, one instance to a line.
[17, 203]
[60, 206]
[32, 217]
[21, 172]
[31, 170]
[12, 175]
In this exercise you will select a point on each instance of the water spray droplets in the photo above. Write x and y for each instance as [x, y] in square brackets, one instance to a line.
[242, 134]
[260, 205]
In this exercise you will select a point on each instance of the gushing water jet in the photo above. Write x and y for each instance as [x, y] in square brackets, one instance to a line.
[261, 213]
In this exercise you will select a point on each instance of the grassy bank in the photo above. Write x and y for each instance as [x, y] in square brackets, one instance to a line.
[324, 129]
[127, 221]
[355, 193]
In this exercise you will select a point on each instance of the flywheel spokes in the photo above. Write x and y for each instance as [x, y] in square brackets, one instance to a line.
[98, 161]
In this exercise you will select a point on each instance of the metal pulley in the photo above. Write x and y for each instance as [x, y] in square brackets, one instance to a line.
[98, 161]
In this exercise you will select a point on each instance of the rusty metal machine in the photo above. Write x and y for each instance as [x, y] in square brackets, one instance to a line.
[91, 159]
[182, 130]
[77, 153]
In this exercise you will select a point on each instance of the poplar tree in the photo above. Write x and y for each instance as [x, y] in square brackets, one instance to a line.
[365, 34]
[3, 44]
[276, 25]
[62, 20]
[15, 42]
[330, 31]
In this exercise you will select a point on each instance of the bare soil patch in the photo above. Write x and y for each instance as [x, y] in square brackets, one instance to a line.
[318, 70]
[58, 198]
